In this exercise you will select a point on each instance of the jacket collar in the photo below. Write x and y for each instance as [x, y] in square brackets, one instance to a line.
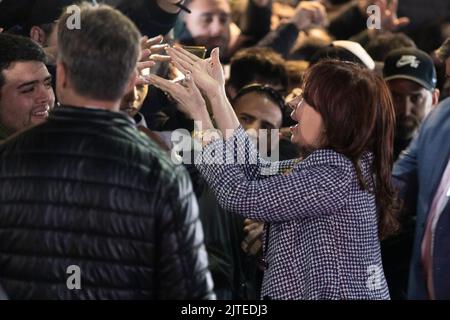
[70, 113]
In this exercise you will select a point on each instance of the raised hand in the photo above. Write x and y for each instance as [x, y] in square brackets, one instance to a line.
[209, 77]
[150, 54]
[389, 19]
[185, 93]
[208, 74]
[309, 13]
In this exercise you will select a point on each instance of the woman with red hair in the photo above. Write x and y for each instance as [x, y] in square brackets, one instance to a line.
[324, 215]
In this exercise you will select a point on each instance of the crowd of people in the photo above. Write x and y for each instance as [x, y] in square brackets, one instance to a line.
[224, 149]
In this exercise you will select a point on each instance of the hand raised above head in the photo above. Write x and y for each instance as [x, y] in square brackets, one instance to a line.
[207, 74]
[185, 93]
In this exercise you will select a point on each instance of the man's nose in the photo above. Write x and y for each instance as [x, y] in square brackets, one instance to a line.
[216, 28]
[409, 107]
[44, 94]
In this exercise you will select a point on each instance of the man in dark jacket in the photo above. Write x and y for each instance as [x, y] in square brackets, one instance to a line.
[90, 208]
[26, 94]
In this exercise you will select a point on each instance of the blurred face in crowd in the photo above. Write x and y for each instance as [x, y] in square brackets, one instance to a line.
[256, 111]
[209, 23]
[447, 67]
[308, 134]
[412, 104]
[26, 96]
[132, 102]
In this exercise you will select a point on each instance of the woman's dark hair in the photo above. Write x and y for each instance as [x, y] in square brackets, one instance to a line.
[359, 117]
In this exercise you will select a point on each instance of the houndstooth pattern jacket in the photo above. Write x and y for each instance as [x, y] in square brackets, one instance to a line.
[323, 237]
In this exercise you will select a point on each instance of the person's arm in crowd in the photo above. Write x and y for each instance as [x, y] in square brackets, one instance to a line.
[151, 17]
[182, 259]
[389, 22]
[211, 81]
[284, 37]
[318, 191]
[257, 19]
[352, 23]
[349, 22]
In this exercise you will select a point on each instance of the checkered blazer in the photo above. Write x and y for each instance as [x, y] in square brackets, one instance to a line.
[323, 237]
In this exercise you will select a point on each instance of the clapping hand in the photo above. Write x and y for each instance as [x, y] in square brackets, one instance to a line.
[150, 54]
[207, 74]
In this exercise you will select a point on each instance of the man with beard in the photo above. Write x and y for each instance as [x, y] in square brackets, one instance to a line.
[411, 76]
[208, 24]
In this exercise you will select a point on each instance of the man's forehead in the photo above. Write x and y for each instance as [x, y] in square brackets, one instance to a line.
[24, 71]
[210, 6]
[405, 85]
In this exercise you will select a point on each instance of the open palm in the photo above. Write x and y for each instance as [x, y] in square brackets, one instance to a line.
[207, 74]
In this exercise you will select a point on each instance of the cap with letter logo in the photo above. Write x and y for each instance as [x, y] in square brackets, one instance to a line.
[411, 64]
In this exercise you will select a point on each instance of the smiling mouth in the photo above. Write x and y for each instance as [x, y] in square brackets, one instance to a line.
[41, 113]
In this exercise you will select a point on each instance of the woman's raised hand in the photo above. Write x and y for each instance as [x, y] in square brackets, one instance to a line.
[207, 74]
[185, 93]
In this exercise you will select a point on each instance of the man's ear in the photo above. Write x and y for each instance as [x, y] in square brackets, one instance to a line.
[436, 94]
[62, 79]
[38, 35]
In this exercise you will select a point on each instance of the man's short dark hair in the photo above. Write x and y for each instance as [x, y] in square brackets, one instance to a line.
[257, 64]
[380, 46]
[444, 51]
[101, 56]
[15, 48]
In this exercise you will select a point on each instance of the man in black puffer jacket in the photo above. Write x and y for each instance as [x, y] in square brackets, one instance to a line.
[89, 207]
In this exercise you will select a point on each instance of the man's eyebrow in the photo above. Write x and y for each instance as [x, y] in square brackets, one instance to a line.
[269, 124]
[26, 84]
[248, 115]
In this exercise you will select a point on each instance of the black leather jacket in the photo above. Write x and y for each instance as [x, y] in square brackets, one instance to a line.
[87, 189]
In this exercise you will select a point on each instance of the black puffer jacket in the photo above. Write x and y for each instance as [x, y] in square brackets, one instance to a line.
[87, 189]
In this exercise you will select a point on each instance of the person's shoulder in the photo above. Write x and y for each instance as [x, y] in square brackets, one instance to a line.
[327, 157]
[331, 168]
[169, 163]
[440, 114]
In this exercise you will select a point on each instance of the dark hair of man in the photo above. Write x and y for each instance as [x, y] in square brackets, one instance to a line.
[265, 90]
[358, 114]
[380, 46]
[101, 56]
[258, 64]
[444, 51]
[15, 48]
